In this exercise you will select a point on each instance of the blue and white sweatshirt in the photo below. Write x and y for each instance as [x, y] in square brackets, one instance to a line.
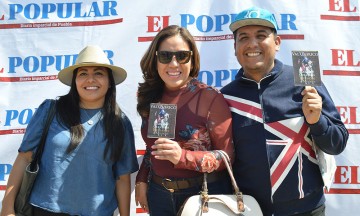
[275, 159]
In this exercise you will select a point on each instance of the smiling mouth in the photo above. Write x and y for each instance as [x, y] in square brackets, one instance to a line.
[176, 73]
[253, 54]
[92, 88]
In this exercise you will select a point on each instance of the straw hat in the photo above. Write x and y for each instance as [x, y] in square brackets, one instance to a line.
[91, 56]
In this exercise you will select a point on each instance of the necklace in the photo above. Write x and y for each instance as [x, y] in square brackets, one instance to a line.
[90, 121]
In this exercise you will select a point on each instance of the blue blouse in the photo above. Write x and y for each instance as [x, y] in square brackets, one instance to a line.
[82, 182]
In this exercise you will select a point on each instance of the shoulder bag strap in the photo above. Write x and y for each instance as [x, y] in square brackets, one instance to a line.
[39, 151]
[238, 193]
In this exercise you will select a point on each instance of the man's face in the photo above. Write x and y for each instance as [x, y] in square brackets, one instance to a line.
[255, 49]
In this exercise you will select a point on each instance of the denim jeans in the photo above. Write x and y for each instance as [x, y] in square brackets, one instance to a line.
[165, 203]
[320, 211]
[43, 212]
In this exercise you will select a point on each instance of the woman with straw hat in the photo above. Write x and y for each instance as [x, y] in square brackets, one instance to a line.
[89, 152]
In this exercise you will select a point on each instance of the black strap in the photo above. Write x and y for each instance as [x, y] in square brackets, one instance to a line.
[39, 151]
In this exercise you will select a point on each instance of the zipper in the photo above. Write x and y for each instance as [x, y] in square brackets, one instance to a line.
[263, 121]
[259, 88]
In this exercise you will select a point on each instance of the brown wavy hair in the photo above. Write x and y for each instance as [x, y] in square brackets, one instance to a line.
[150, 91]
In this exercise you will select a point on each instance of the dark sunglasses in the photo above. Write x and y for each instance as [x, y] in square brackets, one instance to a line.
[182, 57]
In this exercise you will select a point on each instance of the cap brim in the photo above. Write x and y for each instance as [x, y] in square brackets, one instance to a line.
[66, 74]
[246, 22]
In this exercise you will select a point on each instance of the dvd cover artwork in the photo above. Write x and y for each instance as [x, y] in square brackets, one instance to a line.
[162, 120]
[306, 68]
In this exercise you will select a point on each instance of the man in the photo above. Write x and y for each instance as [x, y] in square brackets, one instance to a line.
[276, 125]
[161, 114]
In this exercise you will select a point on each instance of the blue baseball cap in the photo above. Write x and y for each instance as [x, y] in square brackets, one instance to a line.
[254, 16]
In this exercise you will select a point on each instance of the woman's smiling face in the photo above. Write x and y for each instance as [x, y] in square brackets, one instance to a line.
[92, 84]
[174, 74]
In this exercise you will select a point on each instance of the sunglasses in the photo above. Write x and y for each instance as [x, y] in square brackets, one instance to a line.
[182, 56]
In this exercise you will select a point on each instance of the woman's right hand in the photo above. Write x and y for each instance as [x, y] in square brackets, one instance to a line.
[7, 214]
[141, 195]
[167, 149]
[14, 182]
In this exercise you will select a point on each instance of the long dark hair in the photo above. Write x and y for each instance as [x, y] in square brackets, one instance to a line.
[68, 112]
[150, 91]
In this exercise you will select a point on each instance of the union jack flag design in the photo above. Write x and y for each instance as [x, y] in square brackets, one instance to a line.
[291, 135]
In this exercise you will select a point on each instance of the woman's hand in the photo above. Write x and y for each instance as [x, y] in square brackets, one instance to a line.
[141, 195]
[166, 149]
[14, 182]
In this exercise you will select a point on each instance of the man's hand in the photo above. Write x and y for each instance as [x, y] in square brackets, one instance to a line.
[312, 104]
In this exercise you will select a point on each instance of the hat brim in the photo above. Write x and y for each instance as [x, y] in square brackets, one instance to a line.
[66, 74]
[253, 21]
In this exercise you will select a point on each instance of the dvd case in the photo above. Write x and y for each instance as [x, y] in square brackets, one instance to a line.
[306, 68]
[162, 120]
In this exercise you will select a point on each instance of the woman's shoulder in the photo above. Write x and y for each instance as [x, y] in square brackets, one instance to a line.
[44, 107]
[125, 120]
[38, 119]
[203, 87]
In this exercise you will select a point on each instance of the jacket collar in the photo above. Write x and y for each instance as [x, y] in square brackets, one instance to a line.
[275, 71]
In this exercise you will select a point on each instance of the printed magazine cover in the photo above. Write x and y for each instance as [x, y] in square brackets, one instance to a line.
[162, 120]
[306, 68]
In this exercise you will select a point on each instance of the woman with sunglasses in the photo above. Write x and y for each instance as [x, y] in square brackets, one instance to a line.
[172, 169]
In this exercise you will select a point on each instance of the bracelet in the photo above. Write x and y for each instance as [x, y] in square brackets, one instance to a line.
[138, 183]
